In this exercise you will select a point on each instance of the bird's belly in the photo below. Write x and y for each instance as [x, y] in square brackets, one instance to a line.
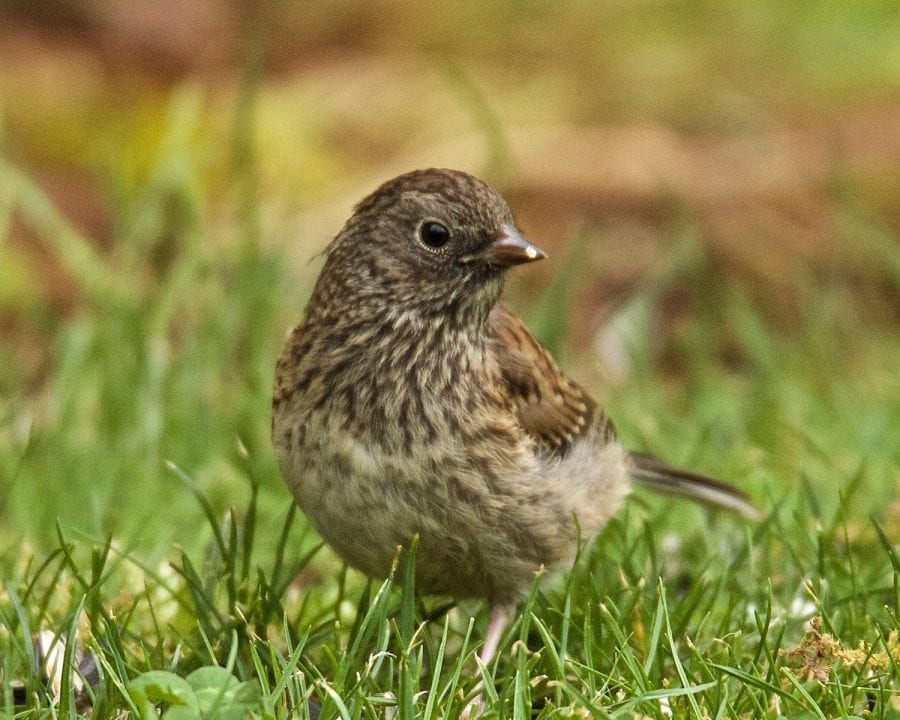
[482, 531]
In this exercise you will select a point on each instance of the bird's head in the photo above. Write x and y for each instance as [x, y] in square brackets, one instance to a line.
[431, 241]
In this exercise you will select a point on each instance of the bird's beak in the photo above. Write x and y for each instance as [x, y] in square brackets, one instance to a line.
[508, 247]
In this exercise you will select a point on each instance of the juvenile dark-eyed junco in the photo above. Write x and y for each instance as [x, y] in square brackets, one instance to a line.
[409, 402]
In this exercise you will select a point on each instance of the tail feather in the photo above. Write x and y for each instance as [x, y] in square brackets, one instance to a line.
[661, 478]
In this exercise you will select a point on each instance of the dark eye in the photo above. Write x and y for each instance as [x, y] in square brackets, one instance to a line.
[434, 235]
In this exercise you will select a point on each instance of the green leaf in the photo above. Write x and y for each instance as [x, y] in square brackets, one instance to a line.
[221, 695]
[161, 686]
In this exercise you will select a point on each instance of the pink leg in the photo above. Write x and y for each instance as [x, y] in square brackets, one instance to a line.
[500, 616]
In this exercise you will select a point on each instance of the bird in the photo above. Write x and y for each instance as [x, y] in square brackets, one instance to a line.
[409, 402]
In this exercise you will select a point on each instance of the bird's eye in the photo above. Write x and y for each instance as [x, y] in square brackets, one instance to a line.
[434, 234]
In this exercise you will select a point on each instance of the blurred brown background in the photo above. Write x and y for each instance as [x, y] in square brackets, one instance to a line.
[762, 137]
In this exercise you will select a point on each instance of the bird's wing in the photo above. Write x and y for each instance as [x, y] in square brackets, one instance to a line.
[551, 408]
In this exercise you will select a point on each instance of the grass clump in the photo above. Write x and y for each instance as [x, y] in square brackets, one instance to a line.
[146, 528]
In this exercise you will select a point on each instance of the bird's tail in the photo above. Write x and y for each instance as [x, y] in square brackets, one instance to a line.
[661, 478]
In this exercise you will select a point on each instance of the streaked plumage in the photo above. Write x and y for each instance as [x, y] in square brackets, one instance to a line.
[408, 401]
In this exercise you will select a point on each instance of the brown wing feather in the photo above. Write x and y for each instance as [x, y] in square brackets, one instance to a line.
[550, 407]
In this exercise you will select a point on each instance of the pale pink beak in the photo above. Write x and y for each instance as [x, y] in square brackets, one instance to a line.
[509, 247]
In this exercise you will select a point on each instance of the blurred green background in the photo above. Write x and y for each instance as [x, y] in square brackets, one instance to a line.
[716, 183]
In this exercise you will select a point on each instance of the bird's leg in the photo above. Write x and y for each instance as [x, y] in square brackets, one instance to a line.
[500, 617]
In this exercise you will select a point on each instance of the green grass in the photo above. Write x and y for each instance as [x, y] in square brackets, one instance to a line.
[142, 516]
